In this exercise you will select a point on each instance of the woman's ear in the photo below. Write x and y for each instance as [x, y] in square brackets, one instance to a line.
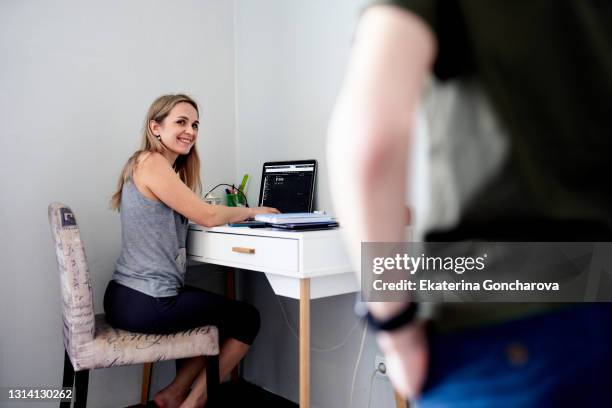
[154, 127]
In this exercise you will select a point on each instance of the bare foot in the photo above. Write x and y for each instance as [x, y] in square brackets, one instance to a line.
[194, 401]
[167, 398]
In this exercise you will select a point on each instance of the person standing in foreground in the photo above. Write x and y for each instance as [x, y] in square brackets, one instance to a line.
[545, 67]
[156, 196]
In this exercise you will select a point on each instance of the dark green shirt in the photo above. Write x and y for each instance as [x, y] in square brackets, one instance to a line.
[546, 67]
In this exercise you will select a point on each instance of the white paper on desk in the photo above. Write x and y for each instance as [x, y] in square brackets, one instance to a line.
[293, 218]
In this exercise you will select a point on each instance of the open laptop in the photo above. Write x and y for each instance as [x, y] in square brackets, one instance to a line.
[288, 186]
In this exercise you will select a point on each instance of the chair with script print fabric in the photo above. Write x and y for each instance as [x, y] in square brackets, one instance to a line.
[90, 342]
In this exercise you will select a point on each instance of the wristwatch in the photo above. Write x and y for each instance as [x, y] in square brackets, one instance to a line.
[406, 317]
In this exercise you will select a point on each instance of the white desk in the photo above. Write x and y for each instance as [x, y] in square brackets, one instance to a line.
[299, 265]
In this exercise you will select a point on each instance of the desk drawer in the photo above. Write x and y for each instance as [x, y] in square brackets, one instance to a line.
[244, 251]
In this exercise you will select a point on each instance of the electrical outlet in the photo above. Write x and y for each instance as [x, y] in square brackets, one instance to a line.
[380, 365]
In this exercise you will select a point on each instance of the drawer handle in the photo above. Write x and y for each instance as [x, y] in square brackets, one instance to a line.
[242, 250]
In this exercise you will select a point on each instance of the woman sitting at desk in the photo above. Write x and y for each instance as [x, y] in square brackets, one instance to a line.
[156, 195]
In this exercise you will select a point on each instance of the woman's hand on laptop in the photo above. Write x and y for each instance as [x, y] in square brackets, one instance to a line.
[263, 210]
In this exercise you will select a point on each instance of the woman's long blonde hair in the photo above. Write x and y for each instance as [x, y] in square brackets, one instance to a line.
[187, 166]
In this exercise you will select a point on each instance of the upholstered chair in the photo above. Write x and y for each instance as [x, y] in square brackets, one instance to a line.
[90, 342]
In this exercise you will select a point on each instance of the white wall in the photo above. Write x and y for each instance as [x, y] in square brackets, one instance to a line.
[290, 60]
[76, 80]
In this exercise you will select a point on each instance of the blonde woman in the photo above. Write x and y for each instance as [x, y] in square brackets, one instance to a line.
[156, 194]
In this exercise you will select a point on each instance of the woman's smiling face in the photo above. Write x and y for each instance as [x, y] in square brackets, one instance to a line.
[179, 130]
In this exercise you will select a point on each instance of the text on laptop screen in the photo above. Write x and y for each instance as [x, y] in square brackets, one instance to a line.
[288, 187]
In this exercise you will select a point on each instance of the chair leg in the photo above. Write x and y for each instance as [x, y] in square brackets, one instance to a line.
[146, 383]
[212, 376]
[80, 384]
[68, 378]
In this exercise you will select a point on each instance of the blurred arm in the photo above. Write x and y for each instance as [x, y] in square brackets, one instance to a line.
[369, 135]
[368, 152]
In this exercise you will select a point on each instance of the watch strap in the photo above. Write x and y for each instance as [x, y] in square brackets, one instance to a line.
[403, 318]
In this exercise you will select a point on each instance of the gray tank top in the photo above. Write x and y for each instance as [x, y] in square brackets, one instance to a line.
[153, 239]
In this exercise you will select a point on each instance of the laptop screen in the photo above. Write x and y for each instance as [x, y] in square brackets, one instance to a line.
[288, 186]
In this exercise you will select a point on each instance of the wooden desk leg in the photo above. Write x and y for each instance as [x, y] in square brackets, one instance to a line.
[305, 343]
[231, 293]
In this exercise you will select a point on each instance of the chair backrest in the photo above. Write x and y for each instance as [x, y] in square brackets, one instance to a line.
[77, 299]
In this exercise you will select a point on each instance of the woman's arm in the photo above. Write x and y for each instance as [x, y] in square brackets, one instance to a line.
[155, 173]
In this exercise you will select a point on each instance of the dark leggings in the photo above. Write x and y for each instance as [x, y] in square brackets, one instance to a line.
[131, 310]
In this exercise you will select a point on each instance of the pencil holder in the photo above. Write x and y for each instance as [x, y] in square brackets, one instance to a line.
[234, 200]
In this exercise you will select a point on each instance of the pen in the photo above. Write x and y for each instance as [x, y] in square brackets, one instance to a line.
[244, 182]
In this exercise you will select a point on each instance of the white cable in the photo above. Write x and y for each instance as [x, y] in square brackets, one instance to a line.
[286, 318]
[318, 350]
[365, 330]
[363, 336]
[336, 347]
[370, 388]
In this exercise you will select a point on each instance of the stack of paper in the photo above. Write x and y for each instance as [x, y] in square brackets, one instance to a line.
[293, 218]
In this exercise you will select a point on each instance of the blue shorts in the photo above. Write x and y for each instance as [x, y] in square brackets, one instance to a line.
[561, 359]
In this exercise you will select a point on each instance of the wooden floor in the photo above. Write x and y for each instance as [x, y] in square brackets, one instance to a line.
[243, 394]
